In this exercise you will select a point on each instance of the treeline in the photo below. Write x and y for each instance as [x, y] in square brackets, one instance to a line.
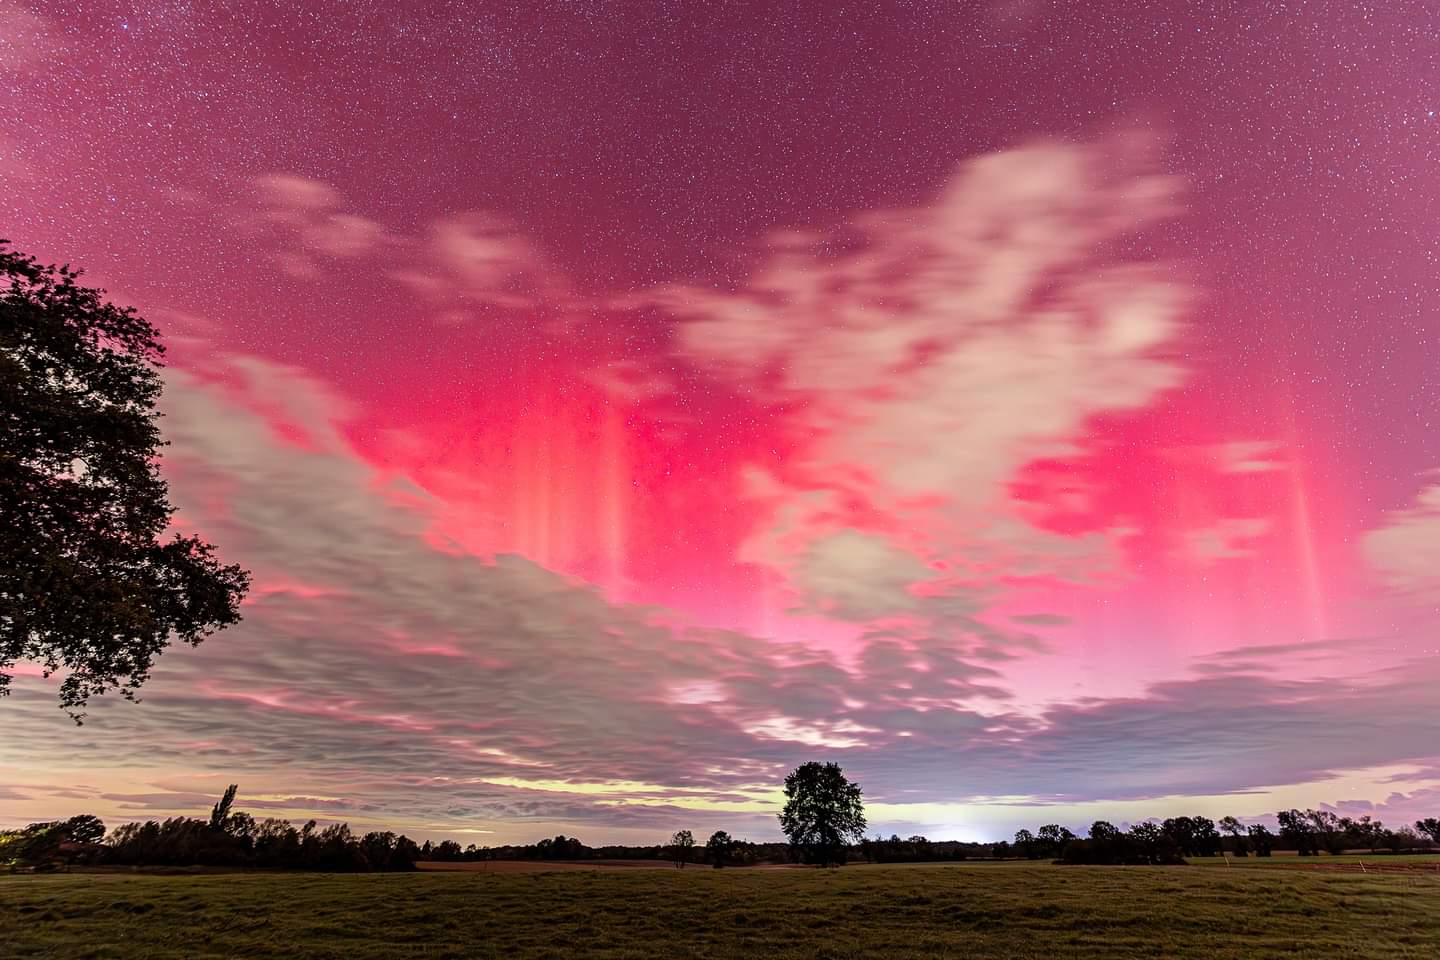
[229, 838]
[225, 839]
[720, 851]
[1307, 832]
[919, 849]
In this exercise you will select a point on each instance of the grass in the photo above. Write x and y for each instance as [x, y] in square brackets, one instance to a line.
[970, 911]
[1289, 859]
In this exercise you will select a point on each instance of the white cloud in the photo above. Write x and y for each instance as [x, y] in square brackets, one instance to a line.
[490, 259]
[1404, 550]
[306, 222]
[924, 356]
[856, 576]
[464, 259]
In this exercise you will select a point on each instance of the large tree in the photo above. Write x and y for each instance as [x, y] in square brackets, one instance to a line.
[89, 584]
[823, 812]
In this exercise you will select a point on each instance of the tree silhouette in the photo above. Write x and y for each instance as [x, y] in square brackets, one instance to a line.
[1328, 830]
[86, 585]
[1297, 831]
[220, 813]
[717, 848]
[1261, 839]
[1052, 838]
[823, 812]
[1193, 836]
[1430, 827]
[85, 828]
[682, 844]
[1239, 836]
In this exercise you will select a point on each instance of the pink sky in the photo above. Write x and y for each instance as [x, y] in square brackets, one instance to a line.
[1031, 408]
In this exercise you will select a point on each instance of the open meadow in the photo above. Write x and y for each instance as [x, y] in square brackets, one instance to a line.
[1014, 910]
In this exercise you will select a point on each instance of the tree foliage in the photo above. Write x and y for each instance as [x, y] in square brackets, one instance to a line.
[1261, 840]
[87, 584]
[823, 812]
[1239, 836]
[1193, 836]
[220, 813]
[717, 848]
[682, 844]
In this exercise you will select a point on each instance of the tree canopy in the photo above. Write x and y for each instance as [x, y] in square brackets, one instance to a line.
[88, 584]
[682, 843]
[718, 847]
[823, 812]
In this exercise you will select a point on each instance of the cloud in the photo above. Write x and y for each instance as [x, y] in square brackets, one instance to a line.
[1396, 810]
[1404, 551]
[305, 220]
[490, 259]
[855, 576]
[922, 357]
[469, 258]
[1229, 538]
[1247, 456]
[383, 678]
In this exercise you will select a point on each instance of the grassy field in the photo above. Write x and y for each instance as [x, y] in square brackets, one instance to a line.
[970, 911]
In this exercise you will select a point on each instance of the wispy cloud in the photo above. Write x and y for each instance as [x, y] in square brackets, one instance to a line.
[460, 261]
[1405, 549]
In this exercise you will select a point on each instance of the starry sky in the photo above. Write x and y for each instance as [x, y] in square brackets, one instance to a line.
[1031, 406]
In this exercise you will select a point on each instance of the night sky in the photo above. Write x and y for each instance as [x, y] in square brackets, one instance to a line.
[1034, 407]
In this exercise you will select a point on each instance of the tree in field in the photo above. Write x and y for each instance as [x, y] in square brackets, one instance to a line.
[1194, 836]
[220, 813]
[1103, 831]
[1238, 836]
[718, 847]
[1363, 832]
[1430, 827]
[1297, 831]
[1052, 838]
[823, 812]
[1261, 839]
[87, 586]
[1153, 844]
[1403, 840]
[682, 845]
[1328, 829]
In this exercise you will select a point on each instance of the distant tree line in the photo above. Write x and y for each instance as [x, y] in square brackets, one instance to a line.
[823, 818]
[720, 850]
[917, 849]
[1307, 832]
[225, 839]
